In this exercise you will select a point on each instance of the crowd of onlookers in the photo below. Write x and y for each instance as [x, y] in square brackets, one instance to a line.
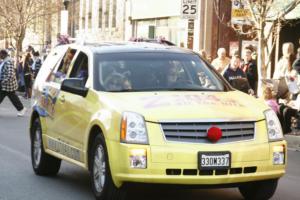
[27, 69]
[18, 75]
[242, 74]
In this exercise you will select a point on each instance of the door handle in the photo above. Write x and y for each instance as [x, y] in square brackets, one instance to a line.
[62, 98]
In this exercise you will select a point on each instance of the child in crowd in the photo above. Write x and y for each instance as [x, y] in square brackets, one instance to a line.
[284, 113]
[270, 100]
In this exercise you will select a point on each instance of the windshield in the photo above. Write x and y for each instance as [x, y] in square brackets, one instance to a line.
[122, 72]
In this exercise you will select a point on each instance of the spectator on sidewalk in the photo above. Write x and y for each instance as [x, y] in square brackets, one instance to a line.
[284, 66]
[203, 54]
[8, 83]
[221, 61]
[250, 69]
[236, 77]
[284, 112]
[37, 63]
[27, 72]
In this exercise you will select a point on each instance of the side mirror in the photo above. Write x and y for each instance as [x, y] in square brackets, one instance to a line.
[74, 86]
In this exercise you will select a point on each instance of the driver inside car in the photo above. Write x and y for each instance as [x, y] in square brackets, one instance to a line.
[116, 82]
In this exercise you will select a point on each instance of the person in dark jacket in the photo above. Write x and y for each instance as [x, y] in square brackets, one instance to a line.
[27, 72]
[250, 69]
[8, 83]
[236, 77]
[37, 63]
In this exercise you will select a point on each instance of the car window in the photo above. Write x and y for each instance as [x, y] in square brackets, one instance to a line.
[154, 71]
[60, 71]
[49, 64]
[80, 67]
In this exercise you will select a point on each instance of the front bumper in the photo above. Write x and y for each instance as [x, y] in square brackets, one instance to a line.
[178, 164]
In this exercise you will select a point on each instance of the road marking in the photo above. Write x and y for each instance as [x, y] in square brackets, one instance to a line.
[17, 153]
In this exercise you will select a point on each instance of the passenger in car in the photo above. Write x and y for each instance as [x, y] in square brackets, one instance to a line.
[172, 75]
[83, 73]
[67, 60]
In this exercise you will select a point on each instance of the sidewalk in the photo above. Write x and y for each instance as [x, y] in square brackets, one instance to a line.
[293, 141]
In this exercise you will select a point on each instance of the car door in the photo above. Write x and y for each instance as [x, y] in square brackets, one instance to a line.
[55, 110]
[78, 109]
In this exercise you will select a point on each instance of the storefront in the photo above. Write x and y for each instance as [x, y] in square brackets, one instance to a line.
[156, 18]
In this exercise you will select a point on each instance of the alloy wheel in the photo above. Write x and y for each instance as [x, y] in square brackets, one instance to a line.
[99, 168]
[37, 147]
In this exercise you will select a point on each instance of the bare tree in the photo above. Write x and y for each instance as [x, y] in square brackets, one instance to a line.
[17, 15]
[267, 18]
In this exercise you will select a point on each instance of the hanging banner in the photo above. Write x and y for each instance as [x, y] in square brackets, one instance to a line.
[240, 12]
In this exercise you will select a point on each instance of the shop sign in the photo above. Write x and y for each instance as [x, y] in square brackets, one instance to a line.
[189, 9]
[240, 12]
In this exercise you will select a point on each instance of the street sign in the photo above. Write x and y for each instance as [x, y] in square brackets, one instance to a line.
[189, 9]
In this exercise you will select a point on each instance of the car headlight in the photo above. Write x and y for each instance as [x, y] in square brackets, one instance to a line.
[133, 129]
[273, 126]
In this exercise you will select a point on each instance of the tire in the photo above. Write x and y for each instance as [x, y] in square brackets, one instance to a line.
[43, 164]
[260, 190]
[102, 184]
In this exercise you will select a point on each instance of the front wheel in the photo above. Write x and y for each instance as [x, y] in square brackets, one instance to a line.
[42, 163]
[102, 183]
[260, 190]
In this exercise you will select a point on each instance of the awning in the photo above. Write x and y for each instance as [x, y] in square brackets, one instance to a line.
[278, 7]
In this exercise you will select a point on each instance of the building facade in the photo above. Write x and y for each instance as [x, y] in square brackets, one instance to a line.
[156, 18]
[101, 20]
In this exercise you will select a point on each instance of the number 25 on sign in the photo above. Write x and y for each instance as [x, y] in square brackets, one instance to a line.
[189, 9]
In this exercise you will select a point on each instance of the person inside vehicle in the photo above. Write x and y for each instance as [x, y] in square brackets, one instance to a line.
[64, 66]
[205, 81]
[116, 82]
[67, 60]
[172, 75]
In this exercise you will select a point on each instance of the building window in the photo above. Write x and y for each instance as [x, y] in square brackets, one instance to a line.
[162, 22]
[107, 14]
[100, 13]
[114, 13]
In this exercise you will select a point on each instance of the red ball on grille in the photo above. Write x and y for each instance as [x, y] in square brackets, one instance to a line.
[214, 134]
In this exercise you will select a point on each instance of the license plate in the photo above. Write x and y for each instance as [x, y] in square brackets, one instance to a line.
[214, 160]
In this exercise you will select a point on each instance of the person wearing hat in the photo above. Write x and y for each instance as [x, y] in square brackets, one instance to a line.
[8, 83]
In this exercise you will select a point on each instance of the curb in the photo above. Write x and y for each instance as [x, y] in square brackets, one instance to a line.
[293, 142]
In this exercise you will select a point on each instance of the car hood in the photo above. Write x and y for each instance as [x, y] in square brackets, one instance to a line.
[172, 106]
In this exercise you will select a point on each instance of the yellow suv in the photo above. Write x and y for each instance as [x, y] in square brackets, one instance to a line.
[151, 114]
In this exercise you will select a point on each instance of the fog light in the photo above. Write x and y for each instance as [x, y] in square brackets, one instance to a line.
[278, 155]
[278, 158]
[138, 158]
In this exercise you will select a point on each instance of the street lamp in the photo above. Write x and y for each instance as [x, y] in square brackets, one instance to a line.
[66, 3]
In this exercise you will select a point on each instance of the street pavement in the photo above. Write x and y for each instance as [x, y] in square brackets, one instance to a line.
[18, 181]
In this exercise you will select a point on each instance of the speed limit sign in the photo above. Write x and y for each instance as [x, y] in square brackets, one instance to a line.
[189, 9]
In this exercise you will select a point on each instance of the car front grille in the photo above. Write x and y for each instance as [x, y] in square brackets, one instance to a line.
[218, 172]
[196, 132]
